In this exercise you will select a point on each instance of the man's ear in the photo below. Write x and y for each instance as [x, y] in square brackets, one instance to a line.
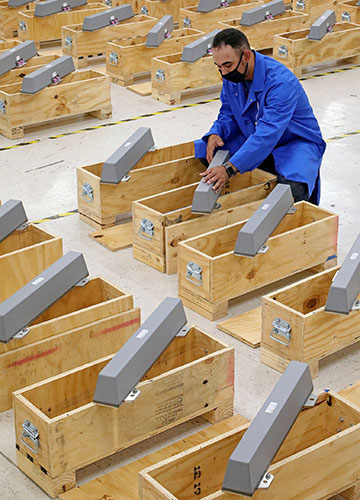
[247, 55]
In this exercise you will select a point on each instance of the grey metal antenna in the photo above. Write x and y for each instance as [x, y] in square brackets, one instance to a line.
[199, 48]
[17, 56]
[160, 32]
[12, 217]
[322, 25]
[49, 7]
[108, 17]
[262, 13]
[50, 74]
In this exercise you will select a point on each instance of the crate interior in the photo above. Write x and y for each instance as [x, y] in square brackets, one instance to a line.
[88, 7]
[223, 240]
[285, 15]
[8, 45]
[18, 240]
[175, 58]
[312, 426]
[303, 34]
[237, 3]
[75, 389]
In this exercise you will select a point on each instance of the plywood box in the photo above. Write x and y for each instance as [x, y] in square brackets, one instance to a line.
[9, 19]
[301, 241]
[194, 376]
[77, 93]
[82, 45]
[16, 75]
[170, 214]
[314, 8]
[160, 170]
[128, 57]
[317, 460]
[160, 8]
[297, 52]
[348, 11]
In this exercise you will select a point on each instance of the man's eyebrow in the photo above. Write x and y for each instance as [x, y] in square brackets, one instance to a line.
[226, 62]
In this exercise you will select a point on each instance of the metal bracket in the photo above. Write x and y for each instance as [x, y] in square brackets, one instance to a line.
[205, 198]
[311, 401]
[183, 332]
[107, 18]
[262, 13]
[30, 432]
[108, 3]
[22, 26]
[87, 192]
[146, 229]
[17, 56]
[144, 11]
[2, 107]
[194, 273]
[283, 51]
[119, 377]
[113, 58]
[51, 73]
[127, 155]
[12, 217]
[68, 42]
[356, 306]
[134, 394]
[253, 235]
[346, 283]
[300, 4]
[266, 481]
[199, 48]
[160, 31]
[49, 7]
[160, 75]
[322, 25]
[209, 5]
[21, 334]
[283, 329]
[260, 443]
[186, 22]
[346, 17]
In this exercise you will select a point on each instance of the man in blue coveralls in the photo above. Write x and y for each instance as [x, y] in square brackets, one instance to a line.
[265, 121]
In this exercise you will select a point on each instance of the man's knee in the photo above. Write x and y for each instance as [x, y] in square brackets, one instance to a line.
[299, 190]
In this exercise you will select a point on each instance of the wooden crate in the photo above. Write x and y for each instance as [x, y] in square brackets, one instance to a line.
[45, 29]
[194, 376]
[84, 45]
[170, 76]
[314, 8]
[348, 11]
[24, 255]
[160, 170]
[83, 325]
[137, 5]
[16, 75]
[170, 214]
[314, 333]
[261, 35]
[9, 19]
[297, 52]
[207, 21]
[134, 57]
[79, 92]
[317, 460]
[160, 8]
[302, 240]
[8, 44]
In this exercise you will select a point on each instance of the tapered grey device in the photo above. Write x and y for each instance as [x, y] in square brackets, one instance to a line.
[205, 198]
[160, 31]
[17, 56]
[260, 443]
[26, 304]
[18, 3]
[346, 284]
[107, 18]
[264, 220]
[50, 74]
[49, 7]
[127, 155]
[322, 25]
[12, 216]
[199, 48]
[120, 376]
[263, 12]
[209, 5]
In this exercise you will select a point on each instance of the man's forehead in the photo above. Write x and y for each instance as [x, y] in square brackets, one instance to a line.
[224, 53]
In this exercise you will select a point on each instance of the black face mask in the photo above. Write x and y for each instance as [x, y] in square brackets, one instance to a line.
[235, 76]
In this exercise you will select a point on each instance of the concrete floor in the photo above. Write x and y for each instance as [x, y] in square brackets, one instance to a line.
[43, 176]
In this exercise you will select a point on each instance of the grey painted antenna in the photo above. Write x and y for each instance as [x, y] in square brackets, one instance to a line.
[160, 32]
[264, 220]
[108, 17]
[49, 7]
[17, 56]
[342, 296]
[205, 198]
[209, 5]
[127, 155]
[118, 378]
[50, 74]
[264, 12]
[12, 217]
[322, 25]
[199, 48]
[252, 456]
[21, 308]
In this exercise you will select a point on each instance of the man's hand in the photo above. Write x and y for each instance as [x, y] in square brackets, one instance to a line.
[214, 142]
[217, 176]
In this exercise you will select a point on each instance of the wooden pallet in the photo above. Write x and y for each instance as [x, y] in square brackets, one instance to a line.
[170, 214]
[317, 460]
[9, 19]
[45, 29]
[225, 275]
[16, 75]
[79, 92]
[24, 255]
[314, 8]
[171, 77]
[348, 11]
[83, 46]
[82, 326]
[101, 204]
[315, 333]
[261, 35]
[127, 58]
[297, 52]
[194, 376]
[245, 327]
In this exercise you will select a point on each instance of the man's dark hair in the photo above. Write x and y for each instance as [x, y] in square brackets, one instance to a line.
[233, 37]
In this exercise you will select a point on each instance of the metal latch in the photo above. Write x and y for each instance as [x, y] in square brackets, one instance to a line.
[193, 273]
[144, 11]
[113, 58]
[22, 26]
[346, 17]
[87, 192]
[68, 42]
[65, 7]
[187, 22]
[30, 432]
[283, 329]
[283, 51]
[160, 75]
[19, 61]
[146, 229]
[2, 107]
[108, 2]
[300, 4]
[55, 78]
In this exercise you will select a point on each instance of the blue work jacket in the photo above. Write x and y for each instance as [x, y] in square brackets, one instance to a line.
[275, 117]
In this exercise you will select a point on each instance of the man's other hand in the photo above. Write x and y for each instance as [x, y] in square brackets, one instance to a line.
[214, 142]
[217, 176]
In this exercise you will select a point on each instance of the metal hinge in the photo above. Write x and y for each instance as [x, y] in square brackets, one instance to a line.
[30, 432]
[187, 22]
[193, 273]
[283, 329]
[22, 26]
[87, 192]
[2, 107]
[346, 17]
[160, 75]
[283, 51]
[300, 4]
[113, 58]
[146, 229]
[68, 42]
[144, 11]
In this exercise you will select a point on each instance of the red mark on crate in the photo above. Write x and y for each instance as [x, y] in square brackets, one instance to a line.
[118, 327]
[33, 357]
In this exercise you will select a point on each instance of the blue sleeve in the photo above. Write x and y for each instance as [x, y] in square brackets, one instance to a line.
[225, 125]
[281, 101]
